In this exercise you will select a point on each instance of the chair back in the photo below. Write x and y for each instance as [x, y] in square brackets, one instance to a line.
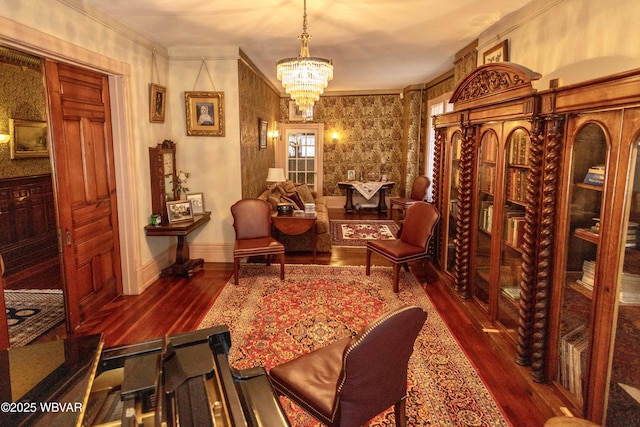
[419, 188]
[251, 218]
[420, 220]
[375, 365]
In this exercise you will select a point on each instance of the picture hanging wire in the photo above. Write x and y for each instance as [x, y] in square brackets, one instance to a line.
[204, 64]
[154, 66]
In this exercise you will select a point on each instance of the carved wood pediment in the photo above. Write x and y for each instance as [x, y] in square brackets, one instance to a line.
[494, 79]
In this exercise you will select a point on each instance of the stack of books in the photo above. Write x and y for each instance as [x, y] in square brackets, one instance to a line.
[630, 289]
[515, 230]
[573, 356]
[588, 274]
[309, 207]
[632, 235]
[595, 176]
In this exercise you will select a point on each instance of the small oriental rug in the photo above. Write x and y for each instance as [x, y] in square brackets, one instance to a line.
[355, 233]
[32, 313]
[273, 321]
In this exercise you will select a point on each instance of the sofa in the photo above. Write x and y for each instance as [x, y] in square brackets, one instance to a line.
[298, 195]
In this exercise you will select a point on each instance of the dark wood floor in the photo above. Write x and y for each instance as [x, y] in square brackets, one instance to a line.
[173, 305]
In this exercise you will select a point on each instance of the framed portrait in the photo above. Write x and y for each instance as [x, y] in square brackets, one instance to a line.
[179, 210]
[351, 175]
[498, 53]
[297, 115]
[28, 139]
[262, 126]
[157, 100]
[197, 202]
[205, 113]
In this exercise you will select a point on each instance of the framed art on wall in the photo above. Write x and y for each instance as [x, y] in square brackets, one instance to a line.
[157, 96]
[498, 53]
[298, 115]
[262, 127]
[28, 139]
[204, 113]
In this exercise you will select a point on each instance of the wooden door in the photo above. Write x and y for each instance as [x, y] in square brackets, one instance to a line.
[82, 150]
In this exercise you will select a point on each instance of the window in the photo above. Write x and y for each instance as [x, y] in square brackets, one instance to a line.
[304, 154]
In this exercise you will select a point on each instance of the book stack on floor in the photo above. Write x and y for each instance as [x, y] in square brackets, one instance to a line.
[595, 176]
[588, 274]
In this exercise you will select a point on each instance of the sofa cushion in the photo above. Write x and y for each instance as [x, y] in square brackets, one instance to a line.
[305, 193]
[295, 199]
[287, 188]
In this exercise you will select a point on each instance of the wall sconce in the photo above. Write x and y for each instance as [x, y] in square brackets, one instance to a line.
[334, 137]
[274, 135]
[4, 138]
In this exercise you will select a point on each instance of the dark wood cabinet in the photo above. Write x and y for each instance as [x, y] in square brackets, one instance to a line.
[543, 208]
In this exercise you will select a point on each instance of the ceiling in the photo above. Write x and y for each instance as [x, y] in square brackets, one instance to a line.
[374, 44]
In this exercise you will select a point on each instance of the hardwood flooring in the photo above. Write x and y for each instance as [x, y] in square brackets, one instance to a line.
[173, 305]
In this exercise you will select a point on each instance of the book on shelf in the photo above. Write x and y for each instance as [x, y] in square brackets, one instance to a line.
[511, 292]
[515, 230]
[573, 357]
[486, 216]
[588, 274]
[595, 176]
[519, 150]
[629, 289]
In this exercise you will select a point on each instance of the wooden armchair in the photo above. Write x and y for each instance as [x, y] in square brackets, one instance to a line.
[418, 194]
[252, 224]
[354, 379]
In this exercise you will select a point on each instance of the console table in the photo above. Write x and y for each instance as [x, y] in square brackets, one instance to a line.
[183, 266]
[349, 186]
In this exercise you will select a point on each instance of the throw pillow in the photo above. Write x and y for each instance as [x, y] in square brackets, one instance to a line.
[304, 193]
[287, 188]
[295, 200]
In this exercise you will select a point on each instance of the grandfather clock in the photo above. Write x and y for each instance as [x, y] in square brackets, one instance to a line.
[162, 163]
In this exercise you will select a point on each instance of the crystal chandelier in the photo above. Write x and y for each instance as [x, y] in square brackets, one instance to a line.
[304, 77]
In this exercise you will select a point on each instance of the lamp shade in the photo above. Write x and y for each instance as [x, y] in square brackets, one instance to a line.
[276, 175]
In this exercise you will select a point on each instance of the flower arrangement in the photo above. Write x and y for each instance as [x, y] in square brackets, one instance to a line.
[181, 180]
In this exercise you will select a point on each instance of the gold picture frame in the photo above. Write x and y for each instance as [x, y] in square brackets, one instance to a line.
[157, 102]
[262, 138]
[204, 113]
[498, 53]
[28, 139]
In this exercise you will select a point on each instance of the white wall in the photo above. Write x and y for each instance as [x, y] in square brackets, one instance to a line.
[573, 40]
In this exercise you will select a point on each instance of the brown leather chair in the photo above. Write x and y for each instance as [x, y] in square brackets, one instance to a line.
[354, 379]
[413, 243]
[252, 223]
[418, 194]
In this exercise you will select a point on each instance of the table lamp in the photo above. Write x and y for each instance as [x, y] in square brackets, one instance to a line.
[275, 176]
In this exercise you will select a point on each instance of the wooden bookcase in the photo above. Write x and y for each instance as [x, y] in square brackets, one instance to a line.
[543, 207]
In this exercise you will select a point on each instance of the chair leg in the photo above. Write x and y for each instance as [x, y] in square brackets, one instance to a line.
[400, 411]
[268, 260]
[396, 277]
[236, 261]
[406, 266]
[368, 262]
[281, 266]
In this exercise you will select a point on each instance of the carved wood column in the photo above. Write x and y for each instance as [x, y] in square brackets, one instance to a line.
[552, 176]
[465, 211]
[530, 246]
[438, 182]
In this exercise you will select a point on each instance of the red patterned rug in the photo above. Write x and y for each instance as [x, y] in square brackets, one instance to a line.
[273, 321]
[357, 232]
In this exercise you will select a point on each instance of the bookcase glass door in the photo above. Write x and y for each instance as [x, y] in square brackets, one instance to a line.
[513, 221]
[454, 180]
[488, 154]
[587, 179]
[624, 381]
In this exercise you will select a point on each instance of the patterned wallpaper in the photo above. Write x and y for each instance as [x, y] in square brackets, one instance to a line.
[22, 96]
[257, 101]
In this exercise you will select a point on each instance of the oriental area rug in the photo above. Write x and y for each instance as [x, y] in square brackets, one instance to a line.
[32, 313]
[273, 321]
[355, 233]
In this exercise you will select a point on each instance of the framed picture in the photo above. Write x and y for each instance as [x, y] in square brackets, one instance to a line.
[351, 175]
[205, 113]
[179, 210]
[262, 126]
[157, 96]
[197, 202]
[28, 139]
[498, 53]
[296, 114]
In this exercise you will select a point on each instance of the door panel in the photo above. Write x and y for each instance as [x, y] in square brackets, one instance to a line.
[83, 156]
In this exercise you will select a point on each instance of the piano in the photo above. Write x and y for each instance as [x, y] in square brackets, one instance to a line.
[179, 380]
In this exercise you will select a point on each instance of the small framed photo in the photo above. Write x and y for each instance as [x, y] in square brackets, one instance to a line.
[179, 210]
[204, 113]
[28, 139]
[157, 97]
[197, 202]
[351, 175]
[498, 53]
[262, 126]
[297, 115]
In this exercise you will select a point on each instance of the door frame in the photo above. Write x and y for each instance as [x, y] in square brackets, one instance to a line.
[21, 37]
[281, 149]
